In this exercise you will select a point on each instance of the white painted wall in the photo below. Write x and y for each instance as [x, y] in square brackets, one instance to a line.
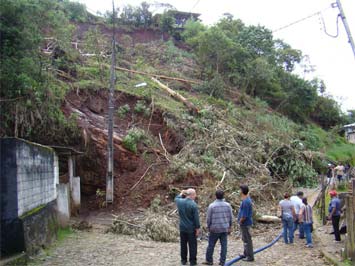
[35, 176]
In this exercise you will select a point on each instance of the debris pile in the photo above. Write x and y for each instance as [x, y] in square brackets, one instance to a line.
[154, 226]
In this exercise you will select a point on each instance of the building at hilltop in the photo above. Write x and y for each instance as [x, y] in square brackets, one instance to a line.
[350, 132]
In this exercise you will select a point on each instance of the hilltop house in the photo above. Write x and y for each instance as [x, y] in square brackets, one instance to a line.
[350, 132]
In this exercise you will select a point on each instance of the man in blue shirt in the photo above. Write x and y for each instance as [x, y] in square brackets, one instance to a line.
[334, 213]
[245, 221]
[189, 225]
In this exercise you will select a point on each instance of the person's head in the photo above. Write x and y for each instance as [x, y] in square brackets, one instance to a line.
[219, 194]
[286, 195]
[300, 194]
[305, 202]
[332, 193]
[191, 193]
[244, 189]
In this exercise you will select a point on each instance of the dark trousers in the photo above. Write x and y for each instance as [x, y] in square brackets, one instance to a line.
[335, 222]
[248, 243]
[212, 240]
[190, 240]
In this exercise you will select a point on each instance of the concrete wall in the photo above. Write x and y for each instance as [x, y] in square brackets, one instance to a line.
[27, 188]
[35, 176]
[63, 204]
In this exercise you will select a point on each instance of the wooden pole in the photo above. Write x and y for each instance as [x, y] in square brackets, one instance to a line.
[350, 224]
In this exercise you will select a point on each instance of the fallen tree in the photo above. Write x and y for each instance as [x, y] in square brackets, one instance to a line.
[192, 108]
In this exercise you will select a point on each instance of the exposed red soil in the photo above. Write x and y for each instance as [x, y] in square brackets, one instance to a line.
[138, 35]
[90, 108]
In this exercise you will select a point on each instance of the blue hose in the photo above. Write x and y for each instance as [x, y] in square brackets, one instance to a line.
[238, 258]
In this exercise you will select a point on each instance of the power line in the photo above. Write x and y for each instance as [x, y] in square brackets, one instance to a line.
[298, 21]
[325, 28]
[196, 3]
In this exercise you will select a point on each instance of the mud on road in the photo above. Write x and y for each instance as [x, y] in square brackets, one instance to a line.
[98, 248]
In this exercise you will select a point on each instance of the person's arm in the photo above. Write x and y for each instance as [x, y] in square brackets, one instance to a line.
[279, 211]
[196, 220]
[293, 212]
[230, 219]
[209, 217]
[331, 213]
[300, 216]
[242, 214]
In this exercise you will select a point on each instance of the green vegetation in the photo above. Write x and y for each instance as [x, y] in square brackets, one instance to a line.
[123, 110]
[33, 211]
[342, 152]
[133, 137]
[141, 108]
[28, 78]
[255, 117]
[64, 233]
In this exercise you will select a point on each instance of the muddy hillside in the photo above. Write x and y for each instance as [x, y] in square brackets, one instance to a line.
[140, 173]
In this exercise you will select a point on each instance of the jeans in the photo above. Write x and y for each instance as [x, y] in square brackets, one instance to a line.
[287, 224]
[212, 240]
[335, 222]
[307, 230]
[301, 230]
[248, 243]
[190, 240]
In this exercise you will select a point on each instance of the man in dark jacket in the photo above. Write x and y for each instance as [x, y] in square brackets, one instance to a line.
[189, 225]
[219, 224]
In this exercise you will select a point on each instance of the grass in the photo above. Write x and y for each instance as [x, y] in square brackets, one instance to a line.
[344, 152]
[63, 233]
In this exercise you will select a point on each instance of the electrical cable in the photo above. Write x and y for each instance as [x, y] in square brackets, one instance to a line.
[325, 28]
[198, 1]
[301, 20]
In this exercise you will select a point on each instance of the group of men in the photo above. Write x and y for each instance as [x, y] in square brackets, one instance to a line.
[219, 225]
[339, 172]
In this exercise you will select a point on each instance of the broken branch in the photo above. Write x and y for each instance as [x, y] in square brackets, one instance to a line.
[192, 108]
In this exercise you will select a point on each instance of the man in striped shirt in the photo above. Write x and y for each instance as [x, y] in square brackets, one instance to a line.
[219, 224]
[306, 218]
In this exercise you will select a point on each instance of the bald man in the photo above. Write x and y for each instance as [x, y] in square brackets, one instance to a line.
[189, 225]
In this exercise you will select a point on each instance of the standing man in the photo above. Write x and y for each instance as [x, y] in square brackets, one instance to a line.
[334, 213]
[219, 224]
[189, 225]
[245, 221]
[297, 203]
[340, 171]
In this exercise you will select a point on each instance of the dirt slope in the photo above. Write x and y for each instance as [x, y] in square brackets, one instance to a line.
[90, 108]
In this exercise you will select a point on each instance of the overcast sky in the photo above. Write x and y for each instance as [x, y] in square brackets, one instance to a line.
[333, 58]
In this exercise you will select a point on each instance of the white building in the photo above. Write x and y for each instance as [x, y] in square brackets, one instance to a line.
[350, 132]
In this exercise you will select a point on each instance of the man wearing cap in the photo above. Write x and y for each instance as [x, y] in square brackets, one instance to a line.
[189, 225]
[334, 213]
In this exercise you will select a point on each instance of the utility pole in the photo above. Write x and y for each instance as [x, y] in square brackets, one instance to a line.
[109, 176]
[345, 22]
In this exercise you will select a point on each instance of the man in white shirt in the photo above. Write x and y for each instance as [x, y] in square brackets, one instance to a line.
[297, 203]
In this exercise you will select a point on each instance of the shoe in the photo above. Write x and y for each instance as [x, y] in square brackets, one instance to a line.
[309, 246]
[242, 255]
[247, 259]
[183, 262]
[207, 263]
[221, 263]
